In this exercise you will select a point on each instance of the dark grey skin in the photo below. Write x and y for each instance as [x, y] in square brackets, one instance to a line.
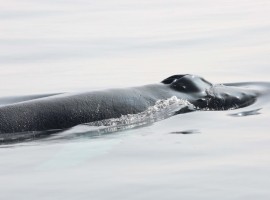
[61, 111]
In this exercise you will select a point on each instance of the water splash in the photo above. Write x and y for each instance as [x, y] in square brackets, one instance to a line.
[161, 110]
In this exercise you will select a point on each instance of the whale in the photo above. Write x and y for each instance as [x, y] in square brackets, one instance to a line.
[65, 110]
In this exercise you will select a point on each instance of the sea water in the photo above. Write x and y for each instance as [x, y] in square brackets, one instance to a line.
[64, 46]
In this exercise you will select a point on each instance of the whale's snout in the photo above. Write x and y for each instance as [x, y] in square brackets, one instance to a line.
[224, 98]
[205, 95]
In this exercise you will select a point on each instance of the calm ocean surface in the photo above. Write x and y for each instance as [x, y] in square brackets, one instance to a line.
[60, 46]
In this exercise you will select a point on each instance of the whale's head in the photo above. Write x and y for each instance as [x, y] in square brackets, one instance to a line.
[205, 95]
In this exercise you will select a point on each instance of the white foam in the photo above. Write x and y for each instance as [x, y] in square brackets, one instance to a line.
[162, 109]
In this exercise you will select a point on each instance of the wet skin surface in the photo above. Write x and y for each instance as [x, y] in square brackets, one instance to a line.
[60, 111]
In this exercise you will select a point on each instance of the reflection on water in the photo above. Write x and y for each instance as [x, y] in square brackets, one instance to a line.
[246, 113]
[186, 132]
